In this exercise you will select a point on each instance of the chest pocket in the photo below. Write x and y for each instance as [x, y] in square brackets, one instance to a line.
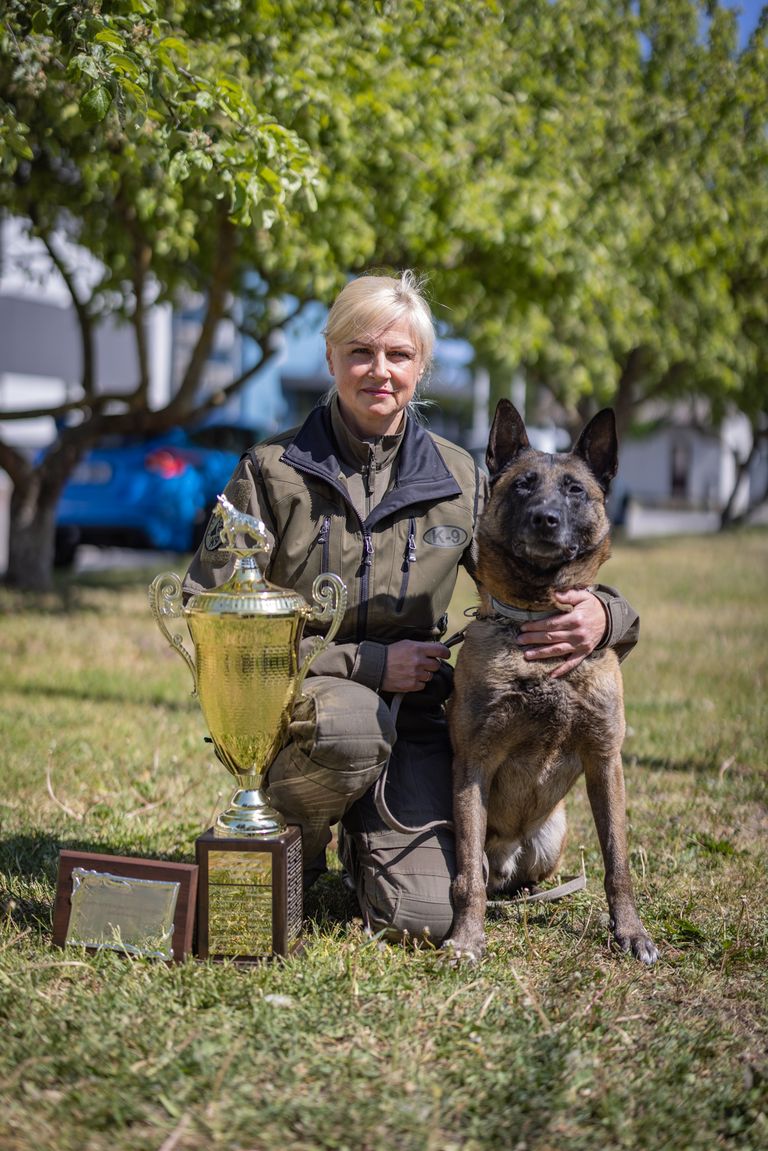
[304, 549]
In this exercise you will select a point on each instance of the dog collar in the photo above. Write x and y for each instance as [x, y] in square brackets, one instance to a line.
[518, 614]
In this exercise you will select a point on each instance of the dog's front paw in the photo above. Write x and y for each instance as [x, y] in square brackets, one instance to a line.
[640, 944]
[644, 949]
[461, 949]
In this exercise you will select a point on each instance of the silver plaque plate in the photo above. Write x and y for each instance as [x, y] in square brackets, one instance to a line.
[122, 913]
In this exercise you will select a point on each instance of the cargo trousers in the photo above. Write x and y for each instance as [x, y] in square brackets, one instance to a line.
[396, 842]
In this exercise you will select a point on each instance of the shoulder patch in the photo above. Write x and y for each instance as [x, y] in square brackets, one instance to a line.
[213, 534]
[446, 536]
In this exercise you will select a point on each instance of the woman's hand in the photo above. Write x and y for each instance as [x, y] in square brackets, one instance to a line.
[411, 664]
[573, 634]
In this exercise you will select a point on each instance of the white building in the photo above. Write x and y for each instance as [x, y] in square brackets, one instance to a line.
[681, 475]
[40, 353]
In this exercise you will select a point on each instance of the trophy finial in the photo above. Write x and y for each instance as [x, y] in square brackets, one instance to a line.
[234, 523]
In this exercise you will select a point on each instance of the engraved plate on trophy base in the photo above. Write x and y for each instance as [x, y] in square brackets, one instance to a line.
[250, 903]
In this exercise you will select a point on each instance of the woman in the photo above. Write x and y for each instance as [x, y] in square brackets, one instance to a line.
[363, 490]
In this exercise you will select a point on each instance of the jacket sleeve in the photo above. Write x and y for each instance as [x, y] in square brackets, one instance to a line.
[623, 626]
[362, 662]
[469, 559]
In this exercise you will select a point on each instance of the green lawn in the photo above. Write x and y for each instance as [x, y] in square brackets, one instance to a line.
[554, 1042]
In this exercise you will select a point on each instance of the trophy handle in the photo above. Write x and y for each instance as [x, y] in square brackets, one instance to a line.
[165, 601]
[330, 595]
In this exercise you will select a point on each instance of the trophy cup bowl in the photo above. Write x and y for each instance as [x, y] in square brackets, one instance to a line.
[246, 672]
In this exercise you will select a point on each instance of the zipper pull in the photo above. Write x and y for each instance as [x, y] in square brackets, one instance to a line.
[412, 541]
[368, 550]
[369, 467]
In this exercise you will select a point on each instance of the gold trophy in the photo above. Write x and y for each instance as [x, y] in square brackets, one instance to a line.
[246, 672]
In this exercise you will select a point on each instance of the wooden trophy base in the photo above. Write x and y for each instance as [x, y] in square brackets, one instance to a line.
[249, 896]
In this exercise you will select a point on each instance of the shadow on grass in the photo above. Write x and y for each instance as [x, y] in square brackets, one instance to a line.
[122, 579]
[89, 692]
[697, 766]
[329, 902]
[65, 595]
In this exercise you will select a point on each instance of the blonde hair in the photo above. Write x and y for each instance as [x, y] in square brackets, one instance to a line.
[370, 304]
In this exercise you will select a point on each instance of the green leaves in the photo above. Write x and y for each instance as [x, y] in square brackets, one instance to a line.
[583, 181]
[95, 103]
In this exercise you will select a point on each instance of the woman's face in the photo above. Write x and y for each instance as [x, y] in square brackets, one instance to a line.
[375, 378]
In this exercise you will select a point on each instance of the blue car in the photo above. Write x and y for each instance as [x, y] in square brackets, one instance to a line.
[154, 493]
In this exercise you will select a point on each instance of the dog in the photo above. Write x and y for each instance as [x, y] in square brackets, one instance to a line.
[520, 737]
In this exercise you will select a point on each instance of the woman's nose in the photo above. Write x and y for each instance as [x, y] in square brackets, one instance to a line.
[379, 366]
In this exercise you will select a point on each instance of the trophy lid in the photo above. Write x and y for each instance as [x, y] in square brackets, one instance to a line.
[247, 593]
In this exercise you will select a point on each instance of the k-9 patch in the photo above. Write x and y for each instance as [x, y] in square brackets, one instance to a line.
[446, 536]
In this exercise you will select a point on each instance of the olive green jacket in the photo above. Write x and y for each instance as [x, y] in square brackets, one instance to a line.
[399, 562]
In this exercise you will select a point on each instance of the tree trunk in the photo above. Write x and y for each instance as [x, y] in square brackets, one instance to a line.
[728, 517]
[624, 403]
[31, 535]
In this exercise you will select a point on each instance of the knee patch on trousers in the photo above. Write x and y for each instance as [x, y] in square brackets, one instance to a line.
[403, 883]
[340, 737]
[342, 725]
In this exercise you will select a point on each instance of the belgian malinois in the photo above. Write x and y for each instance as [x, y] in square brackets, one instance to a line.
[520, 737]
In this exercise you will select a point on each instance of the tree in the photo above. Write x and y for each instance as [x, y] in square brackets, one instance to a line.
[124, 134]
[584, 181]
[227, 149]
[626, 179]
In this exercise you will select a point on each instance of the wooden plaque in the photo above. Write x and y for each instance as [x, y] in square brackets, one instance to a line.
[140, 907]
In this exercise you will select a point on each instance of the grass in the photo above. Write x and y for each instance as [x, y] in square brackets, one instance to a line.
[554, 1041]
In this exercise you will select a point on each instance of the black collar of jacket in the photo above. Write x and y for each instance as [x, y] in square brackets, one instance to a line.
[422, 474]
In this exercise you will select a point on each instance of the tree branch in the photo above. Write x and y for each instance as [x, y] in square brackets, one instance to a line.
[88, 381]
[141, 263]
[221, 284]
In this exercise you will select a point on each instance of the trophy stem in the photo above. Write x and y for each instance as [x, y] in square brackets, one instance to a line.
[249, 814]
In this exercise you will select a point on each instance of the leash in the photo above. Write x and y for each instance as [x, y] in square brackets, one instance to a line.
[380, 799]
[379, 791]
[547, 895]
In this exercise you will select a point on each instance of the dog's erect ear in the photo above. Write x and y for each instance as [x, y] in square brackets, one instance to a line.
[508, 437]
[598, 446]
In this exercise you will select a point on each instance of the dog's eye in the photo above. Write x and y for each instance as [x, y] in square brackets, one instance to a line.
[574, 488]
[526, 482]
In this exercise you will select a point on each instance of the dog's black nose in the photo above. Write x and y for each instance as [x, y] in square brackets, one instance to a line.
[546, 519]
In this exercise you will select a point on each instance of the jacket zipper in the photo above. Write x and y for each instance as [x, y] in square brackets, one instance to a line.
[365, 581]
[323, 540]
[408, 559]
